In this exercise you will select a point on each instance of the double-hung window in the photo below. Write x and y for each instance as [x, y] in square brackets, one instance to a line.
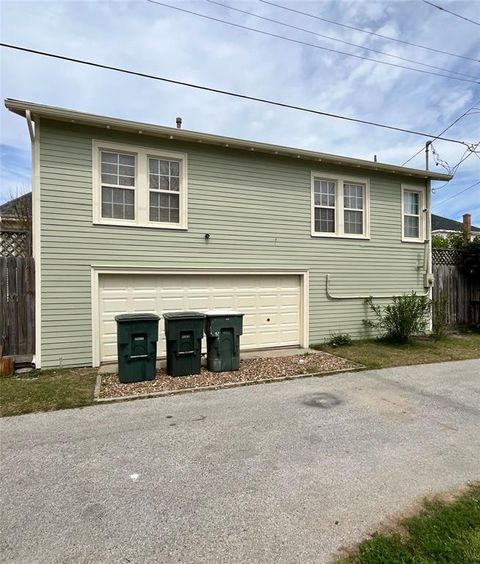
[412, 214]
[340, 207]
[139, 186]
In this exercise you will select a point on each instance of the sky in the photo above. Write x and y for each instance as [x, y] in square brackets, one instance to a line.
[159, 40]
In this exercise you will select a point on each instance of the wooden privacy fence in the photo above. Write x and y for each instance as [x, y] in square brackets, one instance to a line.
[462, 294]
[17, 306]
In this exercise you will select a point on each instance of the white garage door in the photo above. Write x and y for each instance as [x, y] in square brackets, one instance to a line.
[271, 304]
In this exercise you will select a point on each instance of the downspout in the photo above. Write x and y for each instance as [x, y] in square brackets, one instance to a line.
[33, 130]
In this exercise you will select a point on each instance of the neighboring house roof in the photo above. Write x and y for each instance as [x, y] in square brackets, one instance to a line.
[62, 114]
[9, 210]
[440, 223]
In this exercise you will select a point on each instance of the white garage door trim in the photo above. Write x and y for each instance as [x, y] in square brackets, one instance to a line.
[97, 271]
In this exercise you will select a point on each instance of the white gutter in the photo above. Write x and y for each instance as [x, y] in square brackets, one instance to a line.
[31, 129]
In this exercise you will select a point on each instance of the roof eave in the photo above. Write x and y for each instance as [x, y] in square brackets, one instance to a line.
[61, 114]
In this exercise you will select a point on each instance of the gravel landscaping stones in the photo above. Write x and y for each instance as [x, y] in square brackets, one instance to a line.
[251, 370]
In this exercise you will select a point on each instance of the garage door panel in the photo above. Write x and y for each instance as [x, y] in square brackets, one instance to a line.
[271, 304]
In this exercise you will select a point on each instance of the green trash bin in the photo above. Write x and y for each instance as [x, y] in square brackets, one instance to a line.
[137, 336]
[184, 333]
[223, 329]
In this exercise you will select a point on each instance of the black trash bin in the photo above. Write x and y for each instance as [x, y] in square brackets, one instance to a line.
[223, 329]
[184, 333]
[137, 336]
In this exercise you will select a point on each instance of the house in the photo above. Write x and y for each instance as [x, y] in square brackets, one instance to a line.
[443, 226]
[16, 226]
[135, 217]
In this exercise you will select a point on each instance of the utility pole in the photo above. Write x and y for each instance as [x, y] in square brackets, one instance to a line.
[427, 147]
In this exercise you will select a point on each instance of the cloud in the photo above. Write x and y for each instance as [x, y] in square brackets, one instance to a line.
[153, 39]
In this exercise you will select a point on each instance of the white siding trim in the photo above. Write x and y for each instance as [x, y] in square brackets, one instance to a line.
[339, 216]
[36, 251]
[142, 193]
[96, 271]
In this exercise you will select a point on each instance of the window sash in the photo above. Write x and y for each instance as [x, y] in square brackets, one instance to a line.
[325, 204]
[412, 225]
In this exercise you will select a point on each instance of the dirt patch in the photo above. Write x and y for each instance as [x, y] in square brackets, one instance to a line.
[251, 370]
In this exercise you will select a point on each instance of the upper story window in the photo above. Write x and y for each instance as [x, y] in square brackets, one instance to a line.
[413, 223]
[340, 207]
[138, 186]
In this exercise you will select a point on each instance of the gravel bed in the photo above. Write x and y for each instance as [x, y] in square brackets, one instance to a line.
[251, 370]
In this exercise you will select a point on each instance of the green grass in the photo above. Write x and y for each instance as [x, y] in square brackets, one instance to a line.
[380, 354]
[441, 533]
[47, 390]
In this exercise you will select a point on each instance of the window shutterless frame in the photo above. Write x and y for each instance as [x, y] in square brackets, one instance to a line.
[142, 155]
[409, 213]
[340, 181]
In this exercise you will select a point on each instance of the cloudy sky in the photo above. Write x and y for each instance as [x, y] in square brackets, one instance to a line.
[159, 40]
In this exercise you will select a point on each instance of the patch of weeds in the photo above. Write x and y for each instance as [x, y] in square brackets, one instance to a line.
[339, 340]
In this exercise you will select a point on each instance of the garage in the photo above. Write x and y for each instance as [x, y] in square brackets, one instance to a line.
[272, 304]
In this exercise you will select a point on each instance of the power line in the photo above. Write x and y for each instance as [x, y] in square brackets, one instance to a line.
[445, 130]
[309, 15]
[302, 29]
[305, 43]
[458, 193]
[226, 92]
[449, 12]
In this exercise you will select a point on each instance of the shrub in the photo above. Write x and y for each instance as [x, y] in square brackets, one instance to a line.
[405, 317]
[470, 259]
[340, 340]
[440, 318]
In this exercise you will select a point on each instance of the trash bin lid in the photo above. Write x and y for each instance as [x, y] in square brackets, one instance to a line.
[136, 317]
[183, 315]
[223, 313]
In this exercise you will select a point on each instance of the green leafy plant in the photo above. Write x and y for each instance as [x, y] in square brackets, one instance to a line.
[440, 318]
[339, 340]
[470, 259]
[399, 321]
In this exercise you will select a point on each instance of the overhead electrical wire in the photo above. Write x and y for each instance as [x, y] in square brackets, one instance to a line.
[458, 193]
[305, 43]
[330, 38]
[227, 93]
[333, 22]
[449, 12]
[444, 131]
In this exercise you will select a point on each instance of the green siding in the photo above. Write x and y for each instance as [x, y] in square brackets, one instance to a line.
[257, 210]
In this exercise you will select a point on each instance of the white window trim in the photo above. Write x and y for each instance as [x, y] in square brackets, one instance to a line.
[339, 215]
[142, 187]
[422, 219]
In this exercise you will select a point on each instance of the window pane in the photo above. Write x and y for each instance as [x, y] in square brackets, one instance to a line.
[109, 168]
[175, 183]
[126, 181]
[353, 196]
[126, 170]
[164, 168]
[324, 220]
[164, 184]
[353, 222]
[411, 203]
[153, 165]
[174, 168]
[153, 182]
[411, 226]
[118, 203]
[109, 178]
[109, 157]
[127, 160]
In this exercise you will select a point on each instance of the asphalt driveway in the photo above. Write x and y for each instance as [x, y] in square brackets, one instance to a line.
[285, 472]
